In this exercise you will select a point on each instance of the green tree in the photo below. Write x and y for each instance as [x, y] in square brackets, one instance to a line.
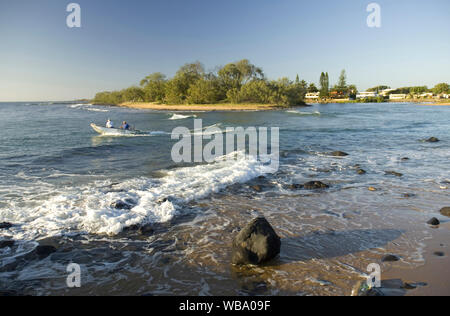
[133, 94]
[235, 75]
[342, 83]
[378, 89]
[204, 91]
[441, 88]
[312, 88]
[256, 91]
[324, 85]
[154, 86]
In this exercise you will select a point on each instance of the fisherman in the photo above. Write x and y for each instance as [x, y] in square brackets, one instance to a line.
[125, 126]
[109, 124]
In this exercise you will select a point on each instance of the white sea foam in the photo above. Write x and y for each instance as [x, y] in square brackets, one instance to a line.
[303, 113]
[181, 117]
[87, 107]
[88, 209]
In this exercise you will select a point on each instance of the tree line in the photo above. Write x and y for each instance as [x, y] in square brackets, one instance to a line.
[238, 82]
[437, 89]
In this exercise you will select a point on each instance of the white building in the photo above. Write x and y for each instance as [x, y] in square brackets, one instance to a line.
[312, 95]
[386, 92]
[366, 94]
[399, 96]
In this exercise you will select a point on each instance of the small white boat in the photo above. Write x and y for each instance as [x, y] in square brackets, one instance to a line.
[114, 131]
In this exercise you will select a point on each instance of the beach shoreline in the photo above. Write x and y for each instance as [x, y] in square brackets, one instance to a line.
[204, 107]
[242, 107]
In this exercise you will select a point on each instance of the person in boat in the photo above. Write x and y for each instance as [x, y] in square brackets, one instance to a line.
[109, 124]
[125, 126]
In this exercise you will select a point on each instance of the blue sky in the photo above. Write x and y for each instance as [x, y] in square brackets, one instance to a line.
[122, 41]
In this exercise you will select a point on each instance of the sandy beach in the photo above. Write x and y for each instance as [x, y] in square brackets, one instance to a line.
[201, 107]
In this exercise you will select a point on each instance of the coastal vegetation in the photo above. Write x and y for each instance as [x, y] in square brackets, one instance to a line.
[238, 82]
[241, 82]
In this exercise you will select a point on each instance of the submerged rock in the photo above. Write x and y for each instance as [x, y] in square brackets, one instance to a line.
[390, 258]
[295, 186]
[432, 140]
[5, 225]
[256, 187]
[312, 185]
[122, 205]
[338, 154]
[146, 230]
[255, 243]
[6, 244]
[394, 173]
[445, 211]
[43, 251]
[434, 221]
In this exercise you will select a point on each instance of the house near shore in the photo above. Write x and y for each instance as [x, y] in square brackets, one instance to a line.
[398, 96]
[366, 94]
[386, 92]
[425, 95]
[312, 95]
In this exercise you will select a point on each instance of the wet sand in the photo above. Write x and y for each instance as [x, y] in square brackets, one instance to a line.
[435, 273]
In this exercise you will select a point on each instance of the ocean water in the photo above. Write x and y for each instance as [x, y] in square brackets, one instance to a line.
[58, 179]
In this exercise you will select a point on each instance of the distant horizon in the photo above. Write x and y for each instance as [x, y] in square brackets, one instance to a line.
[119, 43]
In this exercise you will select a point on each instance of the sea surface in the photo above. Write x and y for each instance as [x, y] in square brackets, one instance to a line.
[59, 179]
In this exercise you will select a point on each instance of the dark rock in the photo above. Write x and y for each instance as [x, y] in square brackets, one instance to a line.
[372, 292]
[5, 225]
[165, 199]
[409, 286]
[432, 140]
[121, 205]
[405, 159]
[434, 221]
[6, 243]
[390, 258]
[393, 173]
[338, 154]
[44, 251]
[255, 243]
[361, 171]
[439, 253]
[256, 187]
[445, 211]
[313, 185]
[295, 186]
[146, 230]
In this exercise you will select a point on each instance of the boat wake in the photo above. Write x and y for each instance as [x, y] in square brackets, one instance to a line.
[181, 117]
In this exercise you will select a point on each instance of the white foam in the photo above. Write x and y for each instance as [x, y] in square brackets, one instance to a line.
[303, 113]
[181, 117]
[88, 209]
